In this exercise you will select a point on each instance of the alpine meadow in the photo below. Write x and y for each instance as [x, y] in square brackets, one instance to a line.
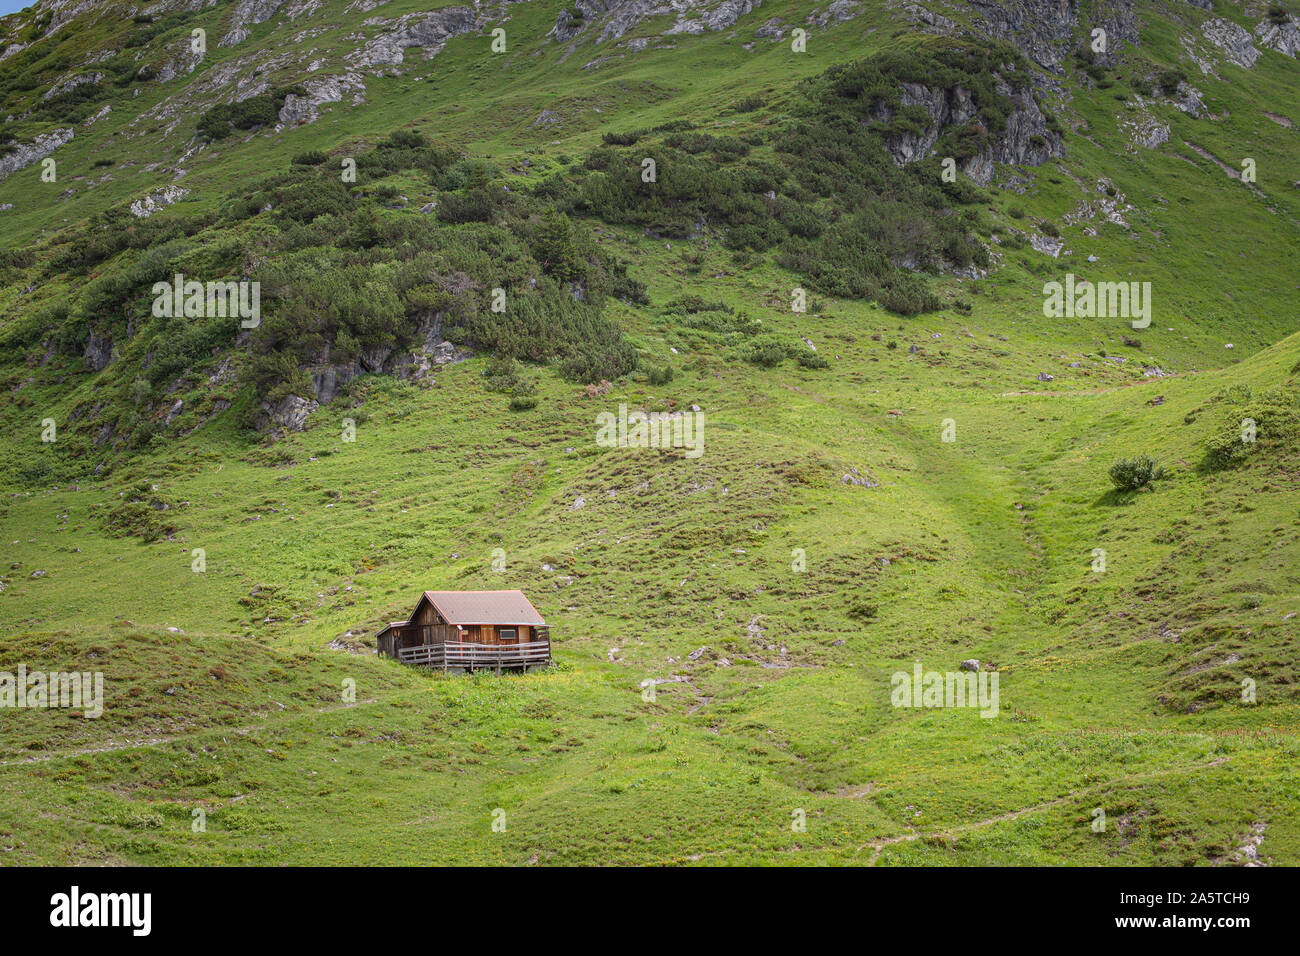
[650, 432]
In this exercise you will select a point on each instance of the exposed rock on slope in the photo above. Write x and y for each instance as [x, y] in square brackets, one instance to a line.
[429, 31]
[1145, 130]
[329, 89]
[1233, 40]
[146, 207]
[249, 13]
[1025, 139]
[618, 17]
[1282, 37]
[288, 414]
[1041, 28]
[1044, 30]
[430, 352]
[24, 155]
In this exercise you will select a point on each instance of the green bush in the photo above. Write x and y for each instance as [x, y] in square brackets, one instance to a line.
[1169, 80]
[657, 375]
[262, 110]
[1131, 474]
[849, 221]
[622, 139]
[810, 359]
[1249, 424]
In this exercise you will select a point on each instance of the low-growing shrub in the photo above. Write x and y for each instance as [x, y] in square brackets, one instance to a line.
[1132, 474]
[657, 375]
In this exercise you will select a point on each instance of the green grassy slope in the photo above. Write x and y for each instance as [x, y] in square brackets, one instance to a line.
[1119, 689]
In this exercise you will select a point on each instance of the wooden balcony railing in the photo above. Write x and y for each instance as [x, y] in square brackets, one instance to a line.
[465, 654]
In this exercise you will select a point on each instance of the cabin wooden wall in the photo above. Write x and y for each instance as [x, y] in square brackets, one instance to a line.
[436, 634]
[427, 614]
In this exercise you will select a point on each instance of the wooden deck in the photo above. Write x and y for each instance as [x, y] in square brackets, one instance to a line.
[461, 654]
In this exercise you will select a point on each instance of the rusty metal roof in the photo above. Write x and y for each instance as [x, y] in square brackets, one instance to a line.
[485, 607]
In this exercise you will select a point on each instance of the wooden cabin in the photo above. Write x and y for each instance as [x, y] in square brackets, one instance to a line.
[467, 630]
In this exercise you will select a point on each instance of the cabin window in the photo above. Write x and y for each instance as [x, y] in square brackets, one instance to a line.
[507, 633]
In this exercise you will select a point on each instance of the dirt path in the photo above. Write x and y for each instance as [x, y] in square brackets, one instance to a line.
[175, 738]
[877, 846]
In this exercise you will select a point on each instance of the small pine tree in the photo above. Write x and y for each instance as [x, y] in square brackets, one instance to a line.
[1130, 474]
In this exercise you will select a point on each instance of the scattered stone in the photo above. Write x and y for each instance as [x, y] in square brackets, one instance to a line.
[150, 204]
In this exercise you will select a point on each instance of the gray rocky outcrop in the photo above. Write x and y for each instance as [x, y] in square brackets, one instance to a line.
[428, 31]
[26, 154]
[1232, 39]
[99, 352]
[1283, 37]
[288, 414]
[1041, 29]
[618, 17]
[1044, 30]
[839, 11]
[248, 13]
[298, 110]
[150, 204]
[71, 83]
[1146, 130]
[430, 352]
[1025, 139]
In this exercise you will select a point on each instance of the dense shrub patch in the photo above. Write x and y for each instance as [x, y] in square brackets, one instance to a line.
[822, 191]
[1131, 474]
[264, 110]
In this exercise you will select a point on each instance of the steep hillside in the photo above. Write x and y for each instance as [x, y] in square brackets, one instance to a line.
[905, 455]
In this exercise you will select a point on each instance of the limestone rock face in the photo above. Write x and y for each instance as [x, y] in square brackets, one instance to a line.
[298, 110]
[249, 13]
[1043, 30]
[616, 18]
[1025, 139]
[288, 414]
[1283, 37]
[1146, 130]
[99, 352]
[429, 31]
[26, 154]
[71, 83]
[150, 204]
[430, 353]
[1233, 40]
